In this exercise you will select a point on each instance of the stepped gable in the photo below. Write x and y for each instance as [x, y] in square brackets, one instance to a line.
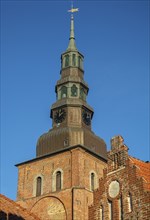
[143, 170]
[124, 189]
[11, 210]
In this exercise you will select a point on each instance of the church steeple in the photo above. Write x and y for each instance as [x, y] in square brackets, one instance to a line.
[71, 114]
[72, 45]
[72, 57]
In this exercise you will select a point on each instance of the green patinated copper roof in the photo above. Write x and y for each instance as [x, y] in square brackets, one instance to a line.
[72, 45]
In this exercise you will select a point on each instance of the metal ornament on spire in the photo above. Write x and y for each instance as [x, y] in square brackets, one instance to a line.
[72, 45]
[72, 10]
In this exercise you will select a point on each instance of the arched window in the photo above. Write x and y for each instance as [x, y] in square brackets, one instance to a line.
[101, 213]
[82, 94]
[63, 92]
[92, 181]
[58, 180]
[66, 60]
[79, 61]
[73, 59]
[129, 201]
[38, 186]
[74, 90]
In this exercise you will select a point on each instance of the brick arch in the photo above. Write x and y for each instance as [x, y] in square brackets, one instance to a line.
[51, 208]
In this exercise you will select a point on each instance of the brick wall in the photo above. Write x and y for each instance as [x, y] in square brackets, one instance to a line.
[74, 197]
[122, 189]
[10, 210]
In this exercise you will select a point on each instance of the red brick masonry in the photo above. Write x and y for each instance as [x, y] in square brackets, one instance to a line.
[11, 210]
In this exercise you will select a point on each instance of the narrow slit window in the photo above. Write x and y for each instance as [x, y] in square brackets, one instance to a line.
[82, 94]
[79, 61]
[74, 60]
[64, 92]
[74, 90]
[58, 180]
[129, 200]
[66, 60]
[38, 186]
[101, 213]
[92, 181]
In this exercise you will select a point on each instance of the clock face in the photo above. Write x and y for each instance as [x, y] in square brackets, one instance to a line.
[59, 116]
[86, 116]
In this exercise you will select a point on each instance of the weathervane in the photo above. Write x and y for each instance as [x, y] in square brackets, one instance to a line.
[72, 10]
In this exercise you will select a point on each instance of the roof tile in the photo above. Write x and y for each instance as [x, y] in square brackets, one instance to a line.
[143, 170]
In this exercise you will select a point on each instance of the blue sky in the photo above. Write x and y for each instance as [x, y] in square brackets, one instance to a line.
[114, 38]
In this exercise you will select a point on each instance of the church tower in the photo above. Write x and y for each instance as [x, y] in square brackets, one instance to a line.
[70, 158]
[71, 114]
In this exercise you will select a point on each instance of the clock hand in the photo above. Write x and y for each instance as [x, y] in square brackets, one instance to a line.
[60, 114]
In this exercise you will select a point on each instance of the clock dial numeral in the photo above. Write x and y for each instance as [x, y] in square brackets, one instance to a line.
[59, 116]
[86, 116]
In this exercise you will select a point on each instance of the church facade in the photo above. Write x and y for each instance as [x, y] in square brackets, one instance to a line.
[124, 189]
[73, 177]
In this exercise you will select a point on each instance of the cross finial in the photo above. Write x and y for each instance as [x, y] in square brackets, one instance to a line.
[72, 45]
[72, 10]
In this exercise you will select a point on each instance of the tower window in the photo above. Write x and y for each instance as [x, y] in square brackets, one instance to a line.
[66, 60]
[64, 92]
[92, 181]
[74, 90]
[66, 142]
[58, 180]
[73, 59]
[80, 62]
[38, 186]
[82, 94]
